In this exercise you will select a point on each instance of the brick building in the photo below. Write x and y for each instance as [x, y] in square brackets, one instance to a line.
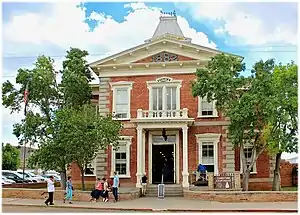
[148, 88]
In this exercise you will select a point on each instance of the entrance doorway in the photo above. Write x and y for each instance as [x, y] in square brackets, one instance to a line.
[163, 164]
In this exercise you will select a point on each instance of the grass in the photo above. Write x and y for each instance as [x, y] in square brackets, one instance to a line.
[289, 188]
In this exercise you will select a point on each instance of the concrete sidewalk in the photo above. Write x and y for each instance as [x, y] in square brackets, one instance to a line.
[168, 204]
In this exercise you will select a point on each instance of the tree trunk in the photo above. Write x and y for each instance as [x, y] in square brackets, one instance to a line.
[276, 178]
[63, 181]
[246, 176]
[82, 180]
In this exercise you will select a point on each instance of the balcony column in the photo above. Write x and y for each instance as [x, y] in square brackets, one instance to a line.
[185, 158]
[139, 155]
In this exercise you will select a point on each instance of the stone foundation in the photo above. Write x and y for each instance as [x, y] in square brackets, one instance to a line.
[240, 196]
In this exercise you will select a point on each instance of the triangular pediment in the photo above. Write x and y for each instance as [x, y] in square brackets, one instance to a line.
[162, 48]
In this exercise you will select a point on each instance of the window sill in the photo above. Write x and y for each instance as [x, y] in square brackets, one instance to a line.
[90, 175]
[121, 176]
[121, 119]
[251, 173]
[213, 116]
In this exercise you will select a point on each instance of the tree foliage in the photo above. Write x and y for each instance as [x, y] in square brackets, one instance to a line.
[54, 117]
[10, 157]
[247, 101]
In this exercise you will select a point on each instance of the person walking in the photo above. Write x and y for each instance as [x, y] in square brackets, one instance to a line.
[69, 190]
[115, 186]
[144, 184]
[51, 189]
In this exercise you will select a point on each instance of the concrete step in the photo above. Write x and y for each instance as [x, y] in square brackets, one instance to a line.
[173, 190]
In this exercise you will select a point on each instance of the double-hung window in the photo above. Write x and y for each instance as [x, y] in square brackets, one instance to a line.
[248, 154]
[121, 100]
[120, 161]
[164, 97]
[206, 109]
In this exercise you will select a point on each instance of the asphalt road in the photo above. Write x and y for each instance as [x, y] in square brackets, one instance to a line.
[31, 209]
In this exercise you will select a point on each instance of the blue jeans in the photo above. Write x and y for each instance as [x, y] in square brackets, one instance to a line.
[115, 193]
[69, 194]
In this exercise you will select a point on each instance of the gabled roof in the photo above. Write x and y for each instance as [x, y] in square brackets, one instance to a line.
[161, 40]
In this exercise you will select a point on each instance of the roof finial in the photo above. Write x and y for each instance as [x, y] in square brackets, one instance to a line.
[162, 13]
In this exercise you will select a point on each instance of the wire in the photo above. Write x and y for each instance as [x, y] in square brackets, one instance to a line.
[234, 49]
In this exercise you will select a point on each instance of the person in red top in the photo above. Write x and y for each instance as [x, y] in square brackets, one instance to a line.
[95, 194]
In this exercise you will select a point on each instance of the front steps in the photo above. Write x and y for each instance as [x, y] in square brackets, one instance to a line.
[171, 190]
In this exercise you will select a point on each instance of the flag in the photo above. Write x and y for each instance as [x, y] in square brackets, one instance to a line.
[26, 92]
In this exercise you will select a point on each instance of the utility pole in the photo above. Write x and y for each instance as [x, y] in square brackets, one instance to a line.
[25, 134]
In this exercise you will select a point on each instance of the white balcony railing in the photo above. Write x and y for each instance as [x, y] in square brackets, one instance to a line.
[162, 114]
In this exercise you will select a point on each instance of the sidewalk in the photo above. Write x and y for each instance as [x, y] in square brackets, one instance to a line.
[168, 204]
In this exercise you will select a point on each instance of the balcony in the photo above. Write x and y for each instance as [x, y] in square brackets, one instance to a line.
[162, 114]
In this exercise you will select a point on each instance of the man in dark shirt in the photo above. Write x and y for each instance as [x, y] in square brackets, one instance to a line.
[144, 184]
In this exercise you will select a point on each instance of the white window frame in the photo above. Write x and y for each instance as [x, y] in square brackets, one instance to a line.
[209, 137]
[120, 85]
[241, 164]
[215, 112]
[164, 82]
[93, 164]
[127, 141]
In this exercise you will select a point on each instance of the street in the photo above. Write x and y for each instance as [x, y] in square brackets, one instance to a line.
[37, 209]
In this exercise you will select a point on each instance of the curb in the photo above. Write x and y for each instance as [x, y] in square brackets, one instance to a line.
[159, 210]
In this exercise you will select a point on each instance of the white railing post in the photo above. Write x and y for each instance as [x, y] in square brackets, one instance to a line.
[185, 113]
[139, 113]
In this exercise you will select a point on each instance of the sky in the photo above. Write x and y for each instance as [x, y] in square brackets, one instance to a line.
[253, 30]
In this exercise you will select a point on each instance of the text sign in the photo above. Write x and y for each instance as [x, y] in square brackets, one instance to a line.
[223, 182]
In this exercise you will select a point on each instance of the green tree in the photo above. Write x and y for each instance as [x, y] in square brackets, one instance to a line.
[246, 101]
[283, 123]
[84, 132]
[46, 96]
[10, 157]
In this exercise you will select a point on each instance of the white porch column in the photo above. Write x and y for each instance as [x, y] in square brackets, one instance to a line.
[139, 154]
[185, 173]
[144, 152]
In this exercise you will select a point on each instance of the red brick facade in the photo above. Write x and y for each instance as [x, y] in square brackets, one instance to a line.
[140, 100]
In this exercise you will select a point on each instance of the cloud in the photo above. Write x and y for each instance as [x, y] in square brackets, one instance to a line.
[58, 26]
[245, 24]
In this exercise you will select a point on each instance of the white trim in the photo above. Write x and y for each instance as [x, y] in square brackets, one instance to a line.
[143, 72]
[215, 112]
[161, 40]
[209, 137]
[241, 165]
[118, 85]
[127, 141]
[176, 153]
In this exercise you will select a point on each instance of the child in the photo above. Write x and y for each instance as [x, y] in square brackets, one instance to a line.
[69, 190]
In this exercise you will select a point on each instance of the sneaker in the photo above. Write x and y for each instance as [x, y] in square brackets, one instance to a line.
[70, 203]
[103, 200]
[46, 203]
[64, 201]
[106, 200]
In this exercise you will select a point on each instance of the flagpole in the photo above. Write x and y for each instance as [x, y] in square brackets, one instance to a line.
[25, 134]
